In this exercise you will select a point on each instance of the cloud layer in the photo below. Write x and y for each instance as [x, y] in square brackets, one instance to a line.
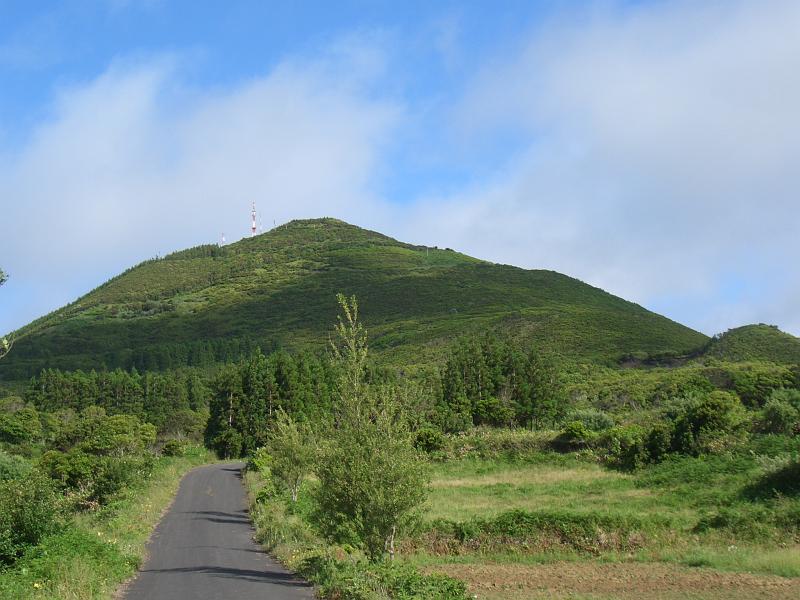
[653, 151]
[662, 163]
[131, 165]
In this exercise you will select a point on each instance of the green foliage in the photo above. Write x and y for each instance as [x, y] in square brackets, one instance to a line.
[487, 442]
[779, 416]
[593, 419]
[247, 397]
[429, 439]
[755, 343]
[292, 451]
[491, 382]
[360, 581]
[590, 532]
[707, 423]
[13, 466]
[29, 511]
[626, 446]
[170, 401]
[173, 448]
[781, 481]
[371, 477]
[206, 306]
[575, 433]
[756, 383]
[94, 480]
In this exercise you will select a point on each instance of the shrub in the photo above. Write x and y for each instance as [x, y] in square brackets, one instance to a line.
[592, 419]
[259, 461]
[778, 416]
[429, 439]
[291, 446]
[708, 423]
[173, 448]
[659, 441]
[576, 434]
[625, 446]
[94, 479]
[789, 395]
[783, 481]
[13, 467]
[359, 581]
[29, 511]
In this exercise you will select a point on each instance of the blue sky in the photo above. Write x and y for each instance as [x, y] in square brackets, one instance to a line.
[649, 148]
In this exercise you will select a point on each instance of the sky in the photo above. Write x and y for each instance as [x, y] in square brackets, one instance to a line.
[650, 148]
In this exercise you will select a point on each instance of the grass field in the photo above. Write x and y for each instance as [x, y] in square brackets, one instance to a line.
[689, 527]
[674, 559]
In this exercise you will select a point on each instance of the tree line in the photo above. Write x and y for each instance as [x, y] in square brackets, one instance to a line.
[169, 400]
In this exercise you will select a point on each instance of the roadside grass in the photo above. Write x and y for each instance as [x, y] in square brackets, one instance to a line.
[98, 551]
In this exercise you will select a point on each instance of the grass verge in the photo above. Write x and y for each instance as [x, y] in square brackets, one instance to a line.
[96, 552]
[338, 572]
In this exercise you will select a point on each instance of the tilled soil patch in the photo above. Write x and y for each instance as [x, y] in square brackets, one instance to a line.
[616, 580]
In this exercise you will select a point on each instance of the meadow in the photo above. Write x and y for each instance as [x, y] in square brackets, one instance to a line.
[513, 519]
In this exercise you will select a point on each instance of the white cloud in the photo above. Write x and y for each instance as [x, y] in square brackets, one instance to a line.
[660, 160]
[133, 163]
[663, 159]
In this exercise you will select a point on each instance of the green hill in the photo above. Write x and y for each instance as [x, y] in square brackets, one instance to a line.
[208, 304]
[755, 342]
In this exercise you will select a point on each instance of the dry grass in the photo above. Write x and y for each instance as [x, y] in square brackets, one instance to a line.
[465, 489]
[527, 475]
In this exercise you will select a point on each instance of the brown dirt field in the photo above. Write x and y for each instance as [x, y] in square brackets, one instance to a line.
[625, 581]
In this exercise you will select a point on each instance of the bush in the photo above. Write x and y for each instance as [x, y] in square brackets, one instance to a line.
[708, 424]
[789, 395]
[429, 439]
[13, 467]
[783, 481]
[592, 419]
[778, 416]
[659, 441]
[173, 448]
[29, 511]
[576, 434]
[94, 479]
[625, 446]
[360, 581]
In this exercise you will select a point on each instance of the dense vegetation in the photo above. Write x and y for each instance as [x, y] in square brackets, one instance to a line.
[754, 343]
[211, 305]
[475, 372]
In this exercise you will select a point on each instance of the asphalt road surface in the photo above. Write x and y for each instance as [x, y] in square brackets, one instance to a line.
[203, 549]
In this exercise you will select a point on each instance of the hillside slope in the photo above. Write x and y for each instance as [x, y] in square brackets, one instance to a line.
[755, 342]
[207, 304]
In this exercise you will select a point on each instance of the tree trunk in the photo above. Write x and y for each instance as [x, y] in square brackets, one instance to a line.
[390, 543]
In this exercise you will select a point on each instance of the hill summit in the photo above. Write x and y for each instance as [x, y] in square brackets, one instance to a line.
[209, 304]
[755, 342]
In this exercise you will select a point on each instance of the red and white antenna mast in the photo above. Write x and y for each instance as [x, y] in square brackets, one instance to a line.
[253, 225]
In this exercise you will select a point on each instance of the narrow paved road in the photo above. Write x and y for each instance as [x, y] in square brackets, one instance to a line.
[203, 547]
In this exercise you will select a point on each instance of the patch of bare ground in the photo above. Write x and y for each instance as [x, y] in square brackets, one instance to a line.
[622, 581]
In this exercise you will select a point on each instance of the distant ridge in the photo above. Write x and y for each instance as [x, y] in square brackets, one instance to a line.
[208, 304]
[755, 342]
